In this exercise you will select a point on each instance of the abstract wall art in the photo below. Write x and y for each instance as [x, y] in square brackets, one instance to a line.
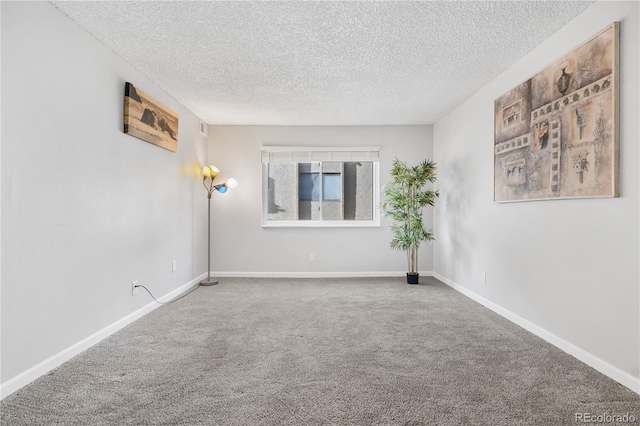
[556, 134]
[147, 119]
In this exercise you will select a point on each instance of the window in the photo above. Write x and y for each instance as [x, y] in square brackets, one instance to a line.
[320, 186]
[308, 187]
[332, 187]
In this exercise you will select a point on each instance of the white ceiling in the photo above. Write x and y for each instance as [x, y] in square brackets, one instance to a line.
[321, 63]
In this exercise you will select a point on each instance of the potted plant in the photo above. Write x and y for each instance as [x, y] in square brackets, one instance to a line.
[405, 196]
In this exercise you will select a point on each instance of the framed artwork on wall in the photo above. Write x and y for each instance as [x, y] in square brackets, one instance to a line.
[147, 119]
[556, 134]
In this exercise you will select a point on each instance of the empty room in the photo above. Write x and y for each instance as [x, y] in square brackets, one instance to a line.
[320, 213]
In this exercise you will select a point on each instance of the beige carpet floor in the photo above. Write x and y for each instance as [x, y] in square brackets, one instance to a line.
[320, 352]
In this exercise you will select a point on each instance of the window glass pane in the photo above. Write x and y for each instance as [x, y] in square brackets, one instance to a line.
[358, 190]
[331, 187]
[282, 203]
[309, 187]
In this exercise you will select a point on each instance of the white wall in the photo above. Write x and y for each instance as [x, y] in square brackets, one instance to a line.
[568, 269]
[243, 247]
[86, 209]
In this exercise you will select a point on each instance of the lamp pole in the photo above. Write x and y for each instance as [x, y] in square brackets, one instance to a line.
[208, 280]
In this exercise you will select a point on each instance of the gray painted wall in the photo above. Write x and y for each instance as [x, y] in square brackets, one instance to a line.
[567, 266]
[243, 246]
[86, 209]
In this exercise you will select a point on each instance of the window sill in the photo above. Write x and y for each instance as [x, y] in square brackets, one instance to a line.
[322, 224]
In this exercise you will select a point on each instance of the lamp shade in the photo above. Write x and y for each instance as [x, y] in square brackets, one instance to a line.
[210, 172]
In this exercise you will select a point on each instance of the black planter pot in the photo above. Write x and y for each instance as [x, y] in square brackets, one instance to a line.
[412, 278]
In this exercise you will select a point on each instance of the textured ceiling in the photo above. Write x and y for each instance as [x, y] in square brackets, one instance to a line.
[321, 63]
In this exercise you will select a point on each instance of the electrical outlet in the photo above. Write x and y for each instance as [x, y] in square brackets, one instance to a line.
[134, 288]
[312, 257]
[483, 277]
[174, 266]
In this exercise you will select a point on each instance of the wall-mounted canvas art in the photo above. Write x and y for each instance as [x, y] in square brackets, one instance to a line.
[556, 134]
[147, 119]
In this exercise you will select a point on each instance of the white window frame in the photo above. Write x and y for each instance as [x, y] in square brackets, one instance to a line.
[298, 154]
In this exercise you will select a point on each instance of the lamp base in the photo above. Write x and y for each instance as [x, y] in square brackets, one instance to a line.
[208, 281]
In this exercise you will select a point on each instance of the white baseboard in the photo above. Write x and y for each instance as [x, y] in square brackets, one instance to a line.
[228, 274]
[28, 376]
[591, 360]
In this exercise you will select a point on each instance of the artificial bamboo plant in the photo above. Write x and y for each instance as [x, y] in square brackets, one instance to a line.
[405, 196]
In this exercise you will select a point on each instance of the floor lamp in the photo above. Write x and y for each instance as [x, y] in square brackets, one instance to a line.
[209, 173]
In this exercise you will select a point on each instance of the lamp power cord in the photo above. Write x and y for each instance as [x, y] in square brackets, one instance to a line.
[172, 300]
